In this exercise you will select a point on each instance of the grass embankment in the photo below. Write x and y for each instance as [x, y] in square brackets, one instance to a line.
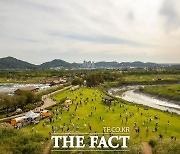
[164, 91]
[52, 89]
[17, 141]
[153, 78]
[143, 79]
[111, 118]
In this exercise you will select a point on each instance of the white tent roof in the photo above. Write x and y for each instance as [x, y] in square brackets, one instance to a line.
[31, 114]
[20, 118]
[44, 111]
[68, 101]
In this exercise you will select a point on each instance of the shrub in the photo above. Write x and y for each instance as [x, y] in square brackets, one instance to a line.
[153, 143]
[167, 147]
[77, 81]
[29, 107]
[17, 141]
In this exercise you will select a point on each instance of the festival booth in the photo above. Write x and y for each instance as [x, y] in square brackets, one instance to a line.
[107, 100]
[67, 103]
[45, 113]
[18, 121]
[30, 117]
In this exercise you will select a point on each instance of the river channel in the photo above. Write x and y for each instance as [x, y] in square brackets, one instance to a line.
[9, 88]
[130, 94]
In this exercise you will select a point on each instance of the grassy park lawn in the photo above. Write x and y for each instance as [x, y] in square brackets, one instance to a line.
[110, 118]
[166, 91]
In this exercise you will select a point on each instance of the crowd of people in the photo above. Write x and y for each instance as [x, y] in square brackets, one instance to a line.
[78, 123]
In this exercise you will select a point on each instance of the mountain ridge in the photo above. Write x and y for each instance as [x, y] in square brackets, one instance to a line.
[13, 63]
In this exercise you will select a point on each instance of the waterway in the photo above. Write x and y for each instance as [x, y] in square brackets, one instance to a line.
[130, 94]
[9, 88]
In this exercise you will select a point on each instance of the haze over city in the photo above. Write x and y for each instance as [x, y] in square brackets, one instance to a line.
[97, 30]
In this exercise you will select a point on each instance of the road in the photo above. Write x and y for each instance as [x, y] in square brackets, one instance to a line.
[47, 103]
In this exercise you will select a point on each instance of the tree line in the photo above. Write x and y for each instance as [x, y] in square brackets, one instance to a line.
[25, 100]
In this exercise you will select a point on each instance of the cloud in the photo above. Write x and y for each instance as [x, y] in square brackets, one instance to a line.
[98, 29]
[171, 13]
[130, 16]
[99, 39]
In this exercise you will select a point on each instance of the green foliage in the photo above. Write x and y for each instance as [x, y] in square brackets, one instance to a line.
[77, 81]
[153, 143]
[17, 141]
[165, 91]
[94, 79]
[19, 100]
[30, 97]
[29, 107]
[167, 147]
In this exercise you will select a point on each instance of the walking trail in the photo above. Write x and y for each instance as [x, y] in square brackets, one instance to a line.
[48, 148]
[147, 149]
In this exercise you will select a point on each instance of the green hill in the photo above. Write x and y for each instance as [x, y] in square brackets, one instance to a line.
[56, 63]
[13, 63]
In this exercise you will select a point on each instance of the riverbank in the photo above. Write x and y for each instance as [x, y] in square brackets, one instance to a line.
[168, 92]
[129, 93]
[9, 88]
[156, 96]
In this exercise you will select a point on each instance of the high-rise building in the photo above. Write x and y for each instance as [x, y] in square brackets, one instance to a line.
[88, 64]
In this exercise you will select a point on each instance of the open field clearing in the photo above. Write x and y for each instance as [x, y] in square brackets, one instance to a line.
[96, 114]
[151, 78]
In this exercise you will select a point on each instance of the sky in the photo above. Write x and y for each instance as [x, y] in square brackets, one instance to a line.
[98, 30]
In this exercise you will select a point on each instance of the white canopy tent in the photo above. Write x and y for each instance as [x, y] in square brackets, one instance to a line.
[32, 115]
[20, 118]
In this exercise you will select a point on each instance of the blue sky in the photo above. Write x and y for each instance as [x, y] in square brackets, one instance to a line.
[98, 30]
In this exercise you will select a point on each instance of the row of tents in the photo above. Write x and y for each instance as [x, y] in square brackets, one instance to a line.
[30, 117]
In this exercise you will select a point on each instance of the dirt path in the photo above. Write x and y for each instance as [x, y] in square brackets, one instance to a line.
[48, 148]
[147, 149]
[47, 103]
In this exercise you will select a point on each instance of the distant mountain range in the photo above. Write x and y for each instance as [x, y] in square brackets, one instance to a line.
[13, 63]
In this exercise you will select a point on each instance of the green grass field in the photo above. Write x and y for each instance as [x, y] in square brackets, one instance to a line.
[151, 78]
[164, 91]
[111, 119]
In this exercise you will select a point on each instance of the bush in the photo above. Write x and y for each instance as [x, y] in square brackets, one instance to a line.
[17, 141]
[77, 81]
[29, 107]
[153, 143]
[167, 147]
